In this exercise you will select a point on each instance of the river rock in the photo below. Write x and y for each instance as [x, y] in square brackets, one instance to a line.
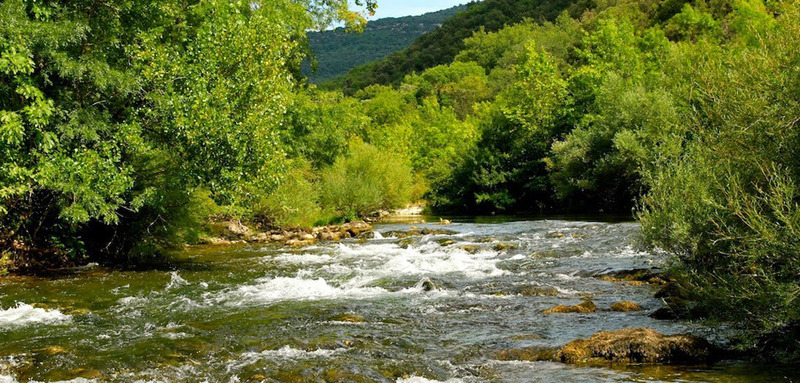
[640, 345]
[470, 249]
[437, 232]
[277, 238]
[330, 236]
[446, 242]
[504, 247]
[300, 242]
[352, 318]
[531, 354]
[538, 291]
[635, 277]
[626, 307]
[585, 307]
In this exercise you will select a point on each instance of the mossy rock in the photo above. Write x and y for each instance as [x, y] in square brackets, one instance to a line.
[585, 307]
[505, 247]
[531, 354]
[446, 242]
[539, 291]
[626, 307]
[639, 345]
[471, 249]
[437, 232]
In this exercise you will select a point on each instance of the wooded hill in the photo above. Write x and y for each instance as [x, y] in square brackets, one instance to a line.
[441, 45]
[337, 51]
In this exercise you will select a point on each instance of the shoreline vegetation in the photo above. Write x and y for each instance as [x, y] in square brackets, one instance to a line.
[125, 129]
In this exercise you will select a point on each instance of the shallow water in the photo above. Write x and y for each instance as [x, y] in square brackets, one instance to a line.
[418, 309]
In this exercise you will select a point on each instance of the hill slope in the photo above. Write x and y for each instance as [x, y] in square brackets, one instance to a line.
[337, 51]
[441, 45]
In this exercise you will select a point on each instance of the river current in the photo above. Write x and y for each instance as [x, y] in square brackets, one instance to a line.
[424, 308]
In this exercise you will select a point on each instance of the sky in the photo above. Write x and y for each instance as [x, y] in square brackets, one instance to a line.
[397, 8]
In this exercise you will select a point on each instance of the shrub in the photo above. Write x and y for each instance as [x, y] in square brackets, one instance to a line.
[293, 204]
[366, 180]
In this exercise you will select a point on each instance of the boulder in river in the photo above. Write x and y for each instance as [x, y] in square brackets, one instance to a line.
[640, 345]
[626, 307]
[505, 247]
[635, 277]
[470, 249]
[585, 307]
[539, 291]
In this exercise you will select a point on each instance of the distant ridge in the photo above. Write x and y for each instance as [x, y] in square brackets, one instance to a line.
[441, 45]
[337, 52]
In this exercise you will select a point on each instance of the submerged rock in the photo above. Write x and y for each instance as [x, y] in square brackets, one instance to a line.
[470, 249]
[531, 354]
[635, 277]
[639, 345]
[427, 285]
[352, 318]
[539, 291]
[505, 247]
[626, 307]
[585, 307]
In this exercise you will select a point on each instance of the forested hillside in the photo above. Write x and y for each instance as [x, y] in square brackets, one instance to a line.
[337, 51]
[442, 45]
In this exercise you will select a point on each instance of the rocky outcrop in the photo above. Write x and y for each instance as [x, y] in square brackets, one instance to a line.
[585, 307]
[639, 345]
[234, 232]
[417, 232]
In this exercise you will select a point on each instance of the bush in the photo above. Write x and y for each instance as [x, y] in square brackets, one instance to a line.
[728, 207]
[366, 180]
[293, 204]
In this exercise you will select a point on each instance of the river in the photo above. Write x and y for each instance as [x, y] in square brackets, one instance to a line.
[417, 309]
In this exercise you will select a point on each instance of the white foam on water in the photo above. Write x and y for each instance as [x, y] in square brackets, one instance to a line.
[378, 235]
[289, 352]
[284, 289]
[419, 379]
[176, 281]
[301, 258]
[24, 314]
[7, 379]
[283, 354]
[387, 260]
[629, 252]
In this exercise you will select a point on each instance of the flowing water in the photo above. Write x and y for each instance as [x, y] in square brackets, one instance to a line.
[418, 309]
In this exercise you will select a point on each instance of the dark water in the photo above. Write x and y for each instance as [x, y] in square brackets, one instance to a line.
[416, 309]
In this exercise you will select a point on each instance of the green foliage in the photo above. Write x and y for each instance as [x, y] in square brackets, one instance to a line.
[366, 180]
[727, 207]
[293, 204]
[320, 125]
[113, 113]
[441, 46]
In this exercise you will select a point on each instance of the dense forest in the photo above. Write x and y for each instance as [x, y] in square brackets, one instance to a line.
[443, 44]
[337, 51]
[126, 125]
